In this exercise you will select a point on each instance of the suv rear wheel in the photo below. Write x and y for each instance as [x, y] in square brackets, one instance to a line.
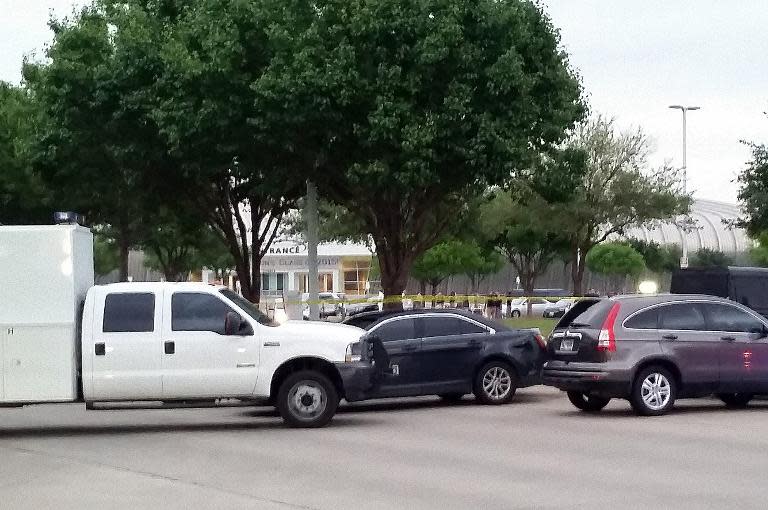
[735, 400]
[307, 399]
[588, 403]
[654, 391]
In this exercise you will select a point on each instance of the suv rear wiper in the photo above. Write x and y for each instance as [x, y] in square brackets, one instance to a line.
[578, 325]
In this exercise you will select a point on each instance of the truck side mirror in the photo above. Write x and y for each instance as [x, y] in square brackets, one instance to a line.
[232, 324]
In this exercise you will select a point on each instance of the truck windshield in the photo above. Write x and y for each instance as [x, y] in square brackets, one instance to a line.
[249, 308]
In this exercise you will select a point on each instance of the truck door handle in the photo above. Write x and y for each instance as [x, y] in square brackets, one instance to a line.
[669, 337]
[100, 349]
[170, 347]
[728, 338]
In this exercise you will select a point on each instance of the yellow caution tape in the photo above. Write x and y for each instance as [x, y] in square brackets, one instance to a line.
[440, 298]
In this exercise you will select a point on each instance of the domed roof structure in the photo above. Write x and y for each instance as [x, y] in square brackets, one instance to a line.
[711, 229]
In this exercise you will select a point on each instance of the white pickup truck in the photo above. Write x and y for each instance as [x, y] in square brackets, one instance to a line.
[62, 339]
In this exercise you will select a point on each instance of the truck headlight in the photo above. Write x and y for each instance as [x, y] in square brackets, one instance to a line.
[353, 353]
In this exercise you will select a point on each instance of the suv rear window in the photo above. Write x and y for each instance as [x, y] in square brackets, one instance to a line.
[586, 312]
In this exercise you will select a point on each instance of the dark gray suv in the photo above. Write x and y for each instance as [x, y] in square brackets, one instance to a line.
[652, 350]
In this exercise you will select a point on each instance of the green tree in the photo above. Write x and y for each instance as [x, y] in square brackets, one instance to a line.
[407, 108]
[615, 260]
[23, 199]
[616, 189]
[658, 258]
[759, 252]
[445, 259]
[106, 254]
[176, 244]
[95, 144]
[335, 223]
[707, 257]
[238, 168]
[528, 232]
[488, 262]
[753, 192]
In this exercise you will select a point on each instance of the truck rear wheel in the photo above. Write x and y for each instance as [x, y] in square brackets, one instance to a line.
[307, 399]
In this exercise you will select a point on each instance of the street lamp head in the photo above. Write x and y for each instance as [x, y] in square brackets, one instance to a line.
[677, 107]
[693, 108]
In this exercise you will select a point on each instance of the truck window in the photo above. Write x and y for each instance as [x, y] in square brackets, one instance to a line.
[129, 312]
[197, 311]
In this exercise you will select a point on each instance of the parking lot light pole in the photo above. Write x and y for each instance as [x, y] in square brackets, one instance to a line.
[685, 110]
[310, 215]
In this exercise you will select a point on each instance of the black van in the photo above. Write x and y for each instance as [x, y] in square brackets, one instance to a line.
[745, 285]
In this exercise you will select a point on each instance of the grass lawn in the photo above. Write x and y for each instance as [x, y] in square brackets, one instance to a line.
[544, 325]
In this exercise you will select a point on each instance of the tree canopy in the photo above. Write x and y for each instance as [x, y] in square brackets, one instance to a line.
[445, 259]
[707, 257]
[615, 260]
[411, 106]
[658, 258]
[23, 198]
[616, 189]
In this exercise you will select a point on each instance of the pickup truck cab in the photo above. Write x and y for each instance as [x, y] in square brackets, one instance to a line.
[191, 342]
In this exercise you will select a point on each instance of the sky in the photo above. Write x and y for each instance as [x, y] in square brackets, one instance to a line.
[634, 58]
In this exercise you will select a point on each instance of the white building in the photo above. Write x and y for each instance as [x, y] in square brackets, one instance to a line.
[342, 267]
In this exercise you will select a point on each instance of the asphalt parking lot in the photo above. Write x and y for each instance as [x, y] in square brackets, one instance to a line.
[538, 452]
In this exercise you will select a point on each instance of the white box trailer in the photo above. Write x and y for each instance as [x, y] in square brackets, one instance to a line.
[45, 273]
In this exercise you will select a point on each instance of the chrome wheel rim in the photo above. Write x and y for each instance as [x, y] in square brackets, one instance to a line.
[497, 383]
[307, 400]
[655, 391]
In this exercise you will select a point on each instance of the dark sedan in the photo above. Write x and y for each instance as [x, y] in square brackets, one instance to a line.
[451, 353]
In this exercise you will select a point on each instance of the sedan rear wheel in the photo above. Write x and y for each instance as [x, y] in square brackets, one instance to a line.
[654, 391]
[588, 403]
[735, 400]
[515, 313]
[495, 383]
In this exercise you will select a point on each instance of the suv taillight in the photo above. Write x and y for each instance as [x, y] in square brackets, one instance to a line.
[607, 339]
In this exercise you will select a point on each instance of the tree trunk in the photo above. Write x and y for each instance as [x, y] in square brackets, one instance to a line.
[124, 246]
[394, 277]
[528, 286]
[577, 273]
[243, 274]
[255, 276]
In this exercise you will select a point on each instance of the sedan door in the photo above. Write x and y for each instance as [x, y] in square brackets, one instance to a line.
[398, 334]
[450, 348]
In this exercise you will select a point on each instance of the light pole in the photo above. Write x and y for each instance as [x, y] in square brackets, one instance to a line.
[685, 110]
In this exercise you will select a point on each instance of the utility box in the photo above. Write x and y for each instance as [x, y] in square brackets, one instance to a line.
[45, 272]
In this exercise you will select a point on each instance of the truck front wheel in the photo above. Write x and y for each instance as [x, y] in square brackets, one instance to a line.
[307, 399]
